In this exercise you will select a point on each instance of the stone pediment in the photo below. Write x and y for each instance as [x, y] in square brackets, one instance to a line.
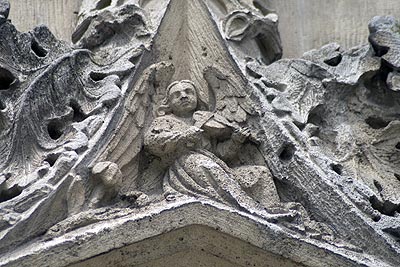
[211, 234]
[172, 120]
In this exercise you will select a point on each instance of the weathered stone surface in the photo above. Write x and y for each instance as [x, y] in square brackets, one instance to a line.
[197, 223]
[305, 25]
[59, 15]
[176, 118]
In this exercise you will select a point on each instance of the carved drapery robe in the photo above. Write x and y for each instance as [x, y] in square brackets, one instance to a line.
[194, 169]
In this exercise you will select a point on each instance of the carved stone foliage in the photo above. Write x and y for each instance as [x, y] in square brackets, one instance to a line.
[351, 115]
[345, 105]
[163, 107]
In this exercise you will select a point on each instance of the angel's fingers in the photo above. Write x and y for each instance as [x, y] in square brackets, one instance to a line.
[247, 132]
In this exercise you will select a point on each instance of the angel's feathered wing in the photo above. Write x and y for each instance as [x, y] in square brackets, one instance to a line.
[228, 99]
[126, 144]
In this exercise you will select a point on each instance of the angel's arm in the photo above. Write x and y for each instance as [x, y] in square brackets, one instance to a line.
[163, 138]
[229, 149]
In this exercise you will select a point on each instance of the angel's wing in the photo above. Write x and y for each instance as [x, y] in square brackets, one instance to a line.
[127, 142]
[228, 99]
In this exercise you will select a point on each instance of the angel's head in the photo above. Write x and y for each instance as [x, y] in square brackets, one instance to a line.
[181, 99]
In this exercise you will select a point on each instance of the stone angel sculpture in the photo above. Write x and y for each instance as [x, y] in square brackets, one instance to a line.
[197, 145]
[173, 142]
[178, 140]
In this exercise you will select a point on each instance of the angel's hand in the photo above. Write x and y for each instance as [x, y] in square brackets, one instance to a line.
[241, 135]
[188, 134]
[192, 136]
[193, 132]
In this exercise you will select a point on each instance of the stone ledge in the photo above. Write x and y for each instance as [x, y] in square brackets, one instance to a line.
[186, 216]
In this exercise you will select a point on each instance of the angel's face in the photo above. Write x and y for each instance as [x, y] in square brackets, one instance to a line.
[182, 99]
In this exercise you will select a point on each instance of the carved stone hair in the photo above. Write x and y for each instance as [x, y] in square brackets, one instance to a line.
[164, 108]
